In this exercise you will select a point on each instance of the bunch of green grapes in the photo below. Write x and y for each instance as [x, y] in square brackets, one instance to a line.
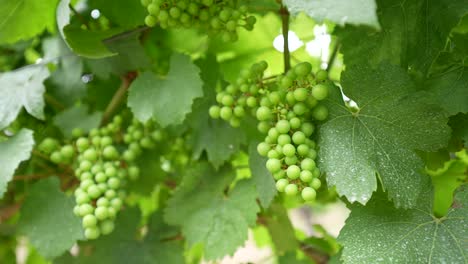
[288, 112]
[102, 170]
[241, 96]
[221, 16]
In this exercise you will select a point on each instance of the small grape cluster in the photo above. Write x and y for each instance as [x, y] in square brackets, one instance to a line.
[287, 111]
[217, 16]
[102, 171]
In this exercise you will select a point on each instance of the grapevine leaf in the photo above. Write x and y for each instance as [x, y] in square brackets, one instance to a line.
[405, 236]
[264, 182]
[47, 219]
[65, 83]
[122, 247]
[446, 180]
[281, 229]
[22, 88]
[23, 19]
[216, 137]
[449, 90]
[134, 14]
[381, 137]
[83, 42]
[166, 100]
[357, 12]
[459, 125]
[12, 152]
[206, 216]
[77, 117]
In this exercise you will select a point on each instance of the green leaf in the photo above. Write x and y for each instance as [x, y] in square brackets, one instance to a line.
[264, 182]
[449, 90]
[281, 230]
[23, 19]
[65, 83]
[77, 117]
[357, 12]
[446, 180]
[47, 219]
[166, 100]
[207, 216]
[12, 152]
[381, 137]
[379, 233]
[459, 125]
[216, 137]
[22, 88]
[126, 13]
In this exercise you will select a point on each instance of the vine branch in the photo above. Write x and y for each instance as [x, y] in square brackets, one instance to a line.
[333, 56]
[285, 29]
[118, 97]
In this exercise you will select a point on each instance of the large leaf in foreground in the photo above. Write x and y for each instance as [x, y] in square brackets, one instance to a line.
[220, 222]
[47, 219]
[357, 12]
[22, 88]
[166, 100]
[379, 233]
[12, 152]
[381, 138]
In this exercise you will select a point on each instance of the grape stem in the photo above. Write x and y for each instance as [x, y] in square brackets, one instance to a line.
[285, 29]
[333, 56]
[118, 97]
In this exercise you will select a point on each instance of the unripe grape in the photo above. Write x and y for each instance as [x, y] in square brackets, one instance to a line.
[97, 168]
[308, 194]
[82, 199]
[300, 94]
[286, 82]
[279, 175]
[214, 111]
[129, 155]
[274, 97]
[307, 129]
[290, 160]
[110, 152]
[101, 212]
[94, 191]
[113, 183]
[110, 194]
[92, 233]
[116, 203]
[321, 75]
[106, 227]
[163, 16]
[146, 142]
[227, 100]
[77, 132]
[82, 144]
[302, 69]
[89, 221]
[100, 177]
[250, 20]
[320, 91]
[85, 165]
[293, 172]
[316, 183]
[289, 150]
[239, 111]
[303, 150]
[308, 164]
[306, 176]
[300, 109]
[283, 126]
[96, 141]
[273, 165]
[251, 101]
[102, 202]
[291, 189]
[48, 145]
[312, 154]
[263, 148]
[273, 154]
[226, 113]
[174, 12]
[234, 122]
[263, 113]
[106, 141]
[320, 112]
[281, 185]
[316, 172]
[86, 209]
[111, 212]
[284, 139]
[86, 176]
[295, 122]
[90, 154]
[263, 127]
[57, 157]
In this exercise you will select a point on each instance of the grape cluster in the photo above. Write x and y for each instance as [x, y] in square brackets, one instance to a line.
[287, 111]
[217, 16]
[102, 170]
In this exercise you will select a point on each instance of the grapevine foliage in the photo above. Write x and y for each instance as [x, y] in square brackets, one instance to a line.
[176, 131]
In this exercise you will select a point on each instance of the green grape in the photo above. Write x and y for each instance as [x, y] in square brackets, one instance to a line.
[77, 132]
[289, 150]
[312, 154]
[90, 154]
[303, 150]
[227, 100]
[110, 152]
[283, 126]
[286, 82]
[300, 94]
[101, 212]
[302, 69]
[214, 111]
[298, 138]
[308, 164]
[107, 227]
[273, 154]
[86, 209]
[273, 165]
[306, 176]
[239, 111]
[82, 144]
[295, 123]
[92, 233]
[315, 183]
[100, 177]
[263, 113]
[48, 145]
[320, 91]
[263, 148]
[85, 165]
[284, 139]
[102, 202]
[57, 157]
[291, 189]
[174, 12]
[89, 221]
[263, 127]
[321, 75]
[293, 172]
[226, 113]
[281, 185]
[308, 194]
[279, 175]
[320, 112]
[307, 129]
